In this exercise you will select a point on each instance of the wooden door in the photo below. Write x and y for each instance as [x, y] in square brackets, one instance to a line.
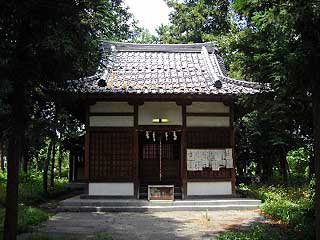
[159, 159]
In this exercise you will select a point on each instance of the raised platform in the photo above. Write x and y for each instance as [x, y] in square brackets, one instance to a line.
[76, 204]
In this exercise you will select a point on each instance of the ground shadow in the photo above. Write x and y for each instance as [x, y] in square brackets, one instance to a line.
[151, 225]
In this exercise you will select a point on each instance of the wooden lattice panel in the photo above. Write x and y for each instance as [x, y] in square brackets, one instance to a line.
[209, 138]
[111, 155]
[149, 160]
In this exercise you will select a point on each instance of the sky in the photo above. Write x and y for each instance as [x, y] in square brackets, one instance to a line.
[149, 13]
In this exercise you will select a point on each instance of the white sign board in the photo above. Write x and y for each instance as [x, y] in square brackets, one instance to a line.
[197, 159]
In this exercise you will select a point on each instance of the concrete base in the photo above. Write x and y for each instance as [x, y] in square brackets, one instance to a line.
[77, 204]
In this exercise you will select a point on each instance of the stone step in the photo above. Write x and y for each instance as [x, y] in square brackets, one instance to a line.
[158, 208]
[77, 202]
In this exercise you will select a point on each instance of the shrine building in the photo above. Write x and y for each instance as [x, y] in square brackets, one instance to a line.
[159, 122]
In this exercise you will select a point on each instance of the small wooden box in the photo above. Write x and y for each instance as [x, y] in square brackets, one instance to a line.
[161, 192]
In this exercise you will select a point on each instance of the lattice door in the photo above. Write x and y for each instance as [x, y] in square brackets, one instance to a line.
[159, 159]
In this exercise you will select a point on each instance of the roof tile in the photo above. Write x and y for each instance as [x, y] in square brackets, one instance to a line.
[163, 69]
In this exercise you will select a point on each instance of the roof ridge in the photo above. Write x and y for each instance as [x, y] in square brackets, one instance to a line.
[152, 47]
[208, 63]
[217, 64]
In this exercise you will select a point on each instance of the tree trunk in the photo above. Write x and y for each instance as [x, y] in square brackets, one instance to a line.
[14, 156]
[46, 167]
[311, 166]
[283, 164]
[70, 166]
[52, 164]
[25, 157]
[15, 149]
[2, 157]
[316, 130]
[60, 160]
[38, 165]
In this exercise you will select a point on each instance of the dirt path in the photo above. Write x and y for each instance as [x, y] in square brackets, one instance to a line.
[158, 225]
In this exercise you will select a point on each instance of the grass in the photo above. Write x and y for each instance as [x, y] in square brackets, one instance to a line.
[292, 207]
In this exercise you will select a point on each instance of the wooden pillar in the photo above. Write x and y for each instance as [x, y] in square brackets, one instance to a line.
[87, 147]
[232, 143]
[136, 181]
[183, 154]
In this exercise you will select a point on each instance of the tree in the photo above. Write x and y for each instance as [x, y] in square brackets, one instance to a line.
[43, 44]
[285, 38]
[307, 25]
[143, 35]
[195, 21]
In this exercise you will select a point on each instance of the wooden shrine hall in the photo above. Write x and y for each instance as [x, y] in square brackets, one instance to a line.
[159, 122]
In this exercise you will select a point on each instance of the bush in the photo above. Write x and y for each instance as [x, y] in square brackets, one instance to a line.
[260, 232]
[291, 205]
[27, 217]
[30, 189]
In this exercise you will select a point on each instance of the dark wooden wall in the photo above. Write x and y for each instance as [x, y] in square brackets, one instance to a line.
[111, 154]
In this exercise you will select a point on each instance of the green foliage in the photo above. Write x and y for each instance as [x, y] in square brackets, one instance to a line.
[195, 21]
[260, 232]
[291, 205]
[143, 35]
[3, 177]
[27, 217]
[31, 189]
[103, 236]
[298, 161]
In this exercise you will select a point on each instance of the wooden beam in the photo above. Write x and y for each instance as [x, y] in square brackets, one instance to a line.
[131, 98]
[111, 114]
[184, 102]
[177, 128]
[208, 114]
[184, 116]
[110, 129]
[136, 115]
[224, 179]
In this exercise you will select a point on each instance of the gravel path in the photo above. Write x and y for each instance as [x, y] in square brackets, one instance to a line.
[156, 225]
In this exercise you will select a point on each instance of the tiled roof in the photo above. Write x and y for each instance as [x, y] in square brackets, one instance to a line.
[163, 69]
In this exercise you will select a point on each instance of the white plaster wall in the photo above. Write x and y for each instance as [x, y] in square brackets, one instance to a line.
[151, 110]
[200, 121]
[209, 188]
[111, 121]
[111, 189]
[208, 107]
[102, 107]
